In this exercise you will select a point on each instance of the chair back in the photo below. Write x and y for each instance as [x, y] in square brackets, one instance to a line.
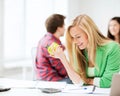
[34, 69]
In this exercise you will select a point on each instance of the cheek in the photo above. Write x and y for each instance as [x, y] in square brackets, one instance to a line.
[110, 28]
[118, 28]
[86, 40]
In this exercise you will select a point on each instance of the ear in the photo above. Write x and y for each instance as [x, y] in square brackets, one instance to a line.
[58, 29]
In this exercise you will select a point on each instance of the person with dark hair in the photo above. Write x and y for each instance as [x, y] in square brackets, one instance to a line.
[114, 29]
[49, 68]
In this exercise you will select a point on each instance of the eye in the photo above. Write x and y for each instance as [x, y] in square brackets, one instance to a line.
[78, 37]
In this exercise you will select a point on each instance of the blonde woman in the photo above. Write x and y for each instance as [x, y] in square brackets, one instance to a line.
[93, 58]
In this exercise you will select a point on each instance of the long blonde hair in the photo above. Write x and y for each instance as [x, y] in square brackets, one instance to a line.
[95, 38]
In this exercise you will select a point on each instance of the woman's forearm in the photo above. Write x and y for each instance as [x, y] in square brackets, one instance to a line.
[71, 73]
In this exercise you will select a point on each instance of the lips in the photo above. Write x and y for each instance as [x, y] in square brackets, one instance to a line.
[80, 44]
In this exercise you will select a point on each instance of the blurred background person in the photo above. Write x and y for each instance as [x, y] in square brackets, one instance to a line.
[49, 68]
[114, 29]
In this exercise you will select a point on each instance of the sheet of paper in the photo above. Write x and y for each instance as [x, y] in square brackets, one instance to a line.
[70, 88]
[102, 90]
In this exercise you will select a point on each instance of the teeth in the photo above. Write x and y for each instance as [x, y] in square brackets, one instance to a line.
[80, 44]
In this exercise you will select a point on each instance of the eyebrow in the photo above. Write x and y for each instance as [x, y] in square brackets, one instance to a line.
[76, 35]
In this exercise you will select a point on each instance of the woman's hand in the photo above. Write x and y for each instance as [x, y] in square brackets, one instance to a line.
[58, 53]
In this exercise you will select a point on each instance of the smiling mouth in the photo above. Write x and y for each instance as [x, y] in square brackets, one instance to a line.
[80, 44]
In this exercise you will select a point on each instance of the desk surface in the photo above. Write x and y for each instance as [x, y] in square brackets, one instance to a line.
[37, 92]
[30, 88]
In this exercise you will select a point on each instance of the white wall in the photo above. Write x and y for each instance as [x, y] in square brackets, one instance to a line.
[101, 11]
[36, 12]
[14, 41]
[22, 26]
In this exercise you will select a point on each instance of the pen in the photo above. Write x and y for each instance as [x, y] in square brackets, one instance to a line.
[93, 90]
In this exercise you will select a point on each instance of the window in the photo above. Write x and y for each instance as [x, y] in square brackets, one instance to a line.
[24, 25]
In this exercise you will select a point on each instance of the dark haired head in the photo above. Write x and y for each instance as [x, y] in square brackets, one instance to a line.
[53, 22]
[109, 35]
